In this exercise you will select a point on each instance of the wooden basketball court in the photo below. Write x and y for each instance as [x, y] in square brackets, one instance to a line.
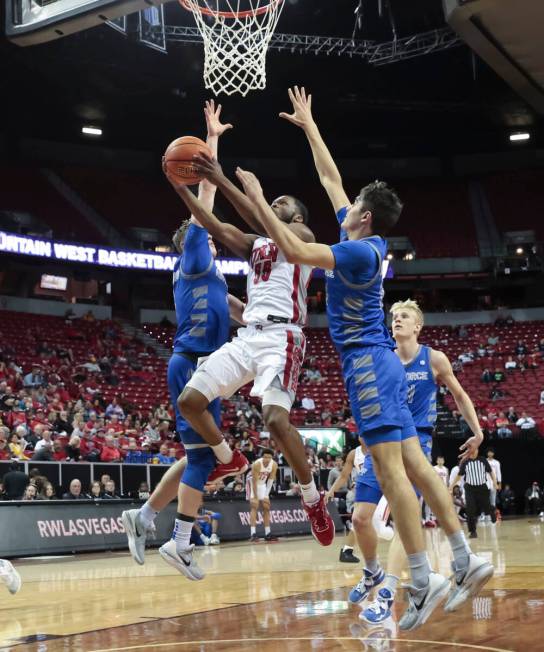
[290, 595]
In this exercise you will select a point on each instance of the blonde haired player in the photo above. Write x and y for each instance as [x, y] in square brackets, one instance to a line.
[259, 482]
[425, 369]
[9, 576]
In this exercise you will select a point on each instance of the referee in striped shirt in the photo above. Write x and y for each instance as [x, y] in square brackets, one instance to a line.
[475, 471]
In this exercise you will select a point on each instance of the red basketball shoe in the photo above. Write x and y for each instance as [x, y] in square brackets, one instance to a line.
[320, 521]
[238, 464]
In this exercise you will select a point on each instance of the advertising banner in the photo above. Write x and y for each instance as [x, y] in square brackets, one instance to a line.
[40, 528]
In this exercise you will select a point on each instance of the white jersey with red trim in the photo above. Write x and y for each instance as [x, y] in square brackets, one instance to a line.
[443, 474]
[263, 472]
[358, 461]
[274, 286]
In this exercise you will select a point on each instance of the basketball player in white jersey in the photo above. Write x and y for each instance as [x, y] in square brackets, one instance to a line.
[270, 349]
[259, 482]
[353, 467]
[9, 576]
[443, 474]
[442, 470]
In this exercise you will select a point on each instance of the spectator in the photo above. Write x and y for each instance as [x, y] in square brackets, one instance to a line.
[510, 364]
[463, 332]
[486, 376]
[58, 454]
[507, 500]
[30, 492]
[512, 415]
[163, 457]
[335, 473]
[493, 340]
[5, 452]
[541, 397]
[143, 491]
[115, 408]
[74, 493]
[481, 350]
[73, 449]
[47, 492]
[61, 425]
[15, 482]
[466, 357]
[110, 451]
[521, 348]
[308, 403]
[34, 378]
[313, 376]
[91, 365]
[16, 447]
[95, 490]
[527, 424]
[498, 375]
[501, 424]
[109, 490]
[533, 499]
[45, 441]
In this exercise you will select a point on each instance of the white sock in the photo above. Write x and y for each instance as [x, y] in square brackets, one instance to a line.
[266, 531]
[310, 494]
[253, 530]
[223, 452]
[182, 534]
[346, 548]
[147, 514]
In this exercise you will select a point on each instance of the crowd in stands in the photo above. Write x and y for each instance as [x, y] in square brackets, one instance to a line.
[502, 372]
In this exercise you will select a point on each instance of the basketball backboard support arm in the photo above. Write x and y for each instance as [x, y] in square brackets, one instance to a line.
[30, 23]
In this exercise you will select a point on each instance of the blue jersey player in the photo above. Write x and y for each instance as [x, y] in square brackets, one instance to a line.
[425, 369]
[374, 375]
[202, 310]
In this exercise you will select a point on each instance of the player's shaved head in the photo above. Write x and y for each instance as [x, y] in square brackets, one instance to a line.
[290, 209]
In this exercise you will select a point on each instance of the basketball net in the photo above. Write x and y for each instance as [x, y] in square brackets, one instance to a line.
[235, 42]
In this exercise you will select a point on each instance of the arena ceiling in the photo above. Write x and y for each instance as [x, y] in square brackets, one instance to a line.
[439, 103]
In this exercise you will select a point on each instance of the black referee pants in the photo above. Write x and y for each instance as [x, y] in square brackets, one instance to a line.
[477, 501]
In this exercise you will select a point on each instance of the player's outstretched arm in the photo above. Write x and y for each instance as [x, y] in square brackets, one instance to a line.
[326, 167]
[444, 374]
[206, 189]
[294, 249]
[236, 309]
[237, 241]
[213, 173]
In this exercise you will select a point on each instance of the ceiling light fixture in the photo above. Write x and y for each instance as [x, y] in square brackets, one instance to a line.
[522, 135]
[91, 131]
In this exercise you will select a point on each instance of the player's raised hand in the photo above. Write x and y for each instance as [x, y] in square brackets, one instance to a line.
[469, 447]
[302, 108]
[251, 184]
[208, 167]
[213, 121]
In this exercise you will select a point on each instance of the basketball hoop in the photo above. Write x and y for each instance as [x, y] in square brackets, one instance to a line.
[236, 39]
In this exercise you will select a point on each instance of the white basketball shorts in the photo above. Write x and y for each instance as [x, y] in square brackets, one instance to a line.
[270, 355]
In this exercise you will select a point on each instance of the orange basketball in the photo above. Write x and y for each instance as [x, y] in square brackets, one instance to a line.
[179, 158]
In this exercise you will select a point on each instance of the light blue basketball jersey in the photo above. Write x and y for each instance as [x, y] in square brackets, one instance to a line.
[422, 389]
[200, 297]
[355, 293]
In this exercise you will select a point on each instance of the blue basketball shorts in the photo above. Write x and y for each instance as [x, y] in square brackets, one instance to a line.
[377, 389]
[180, 370]
[367, 487]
